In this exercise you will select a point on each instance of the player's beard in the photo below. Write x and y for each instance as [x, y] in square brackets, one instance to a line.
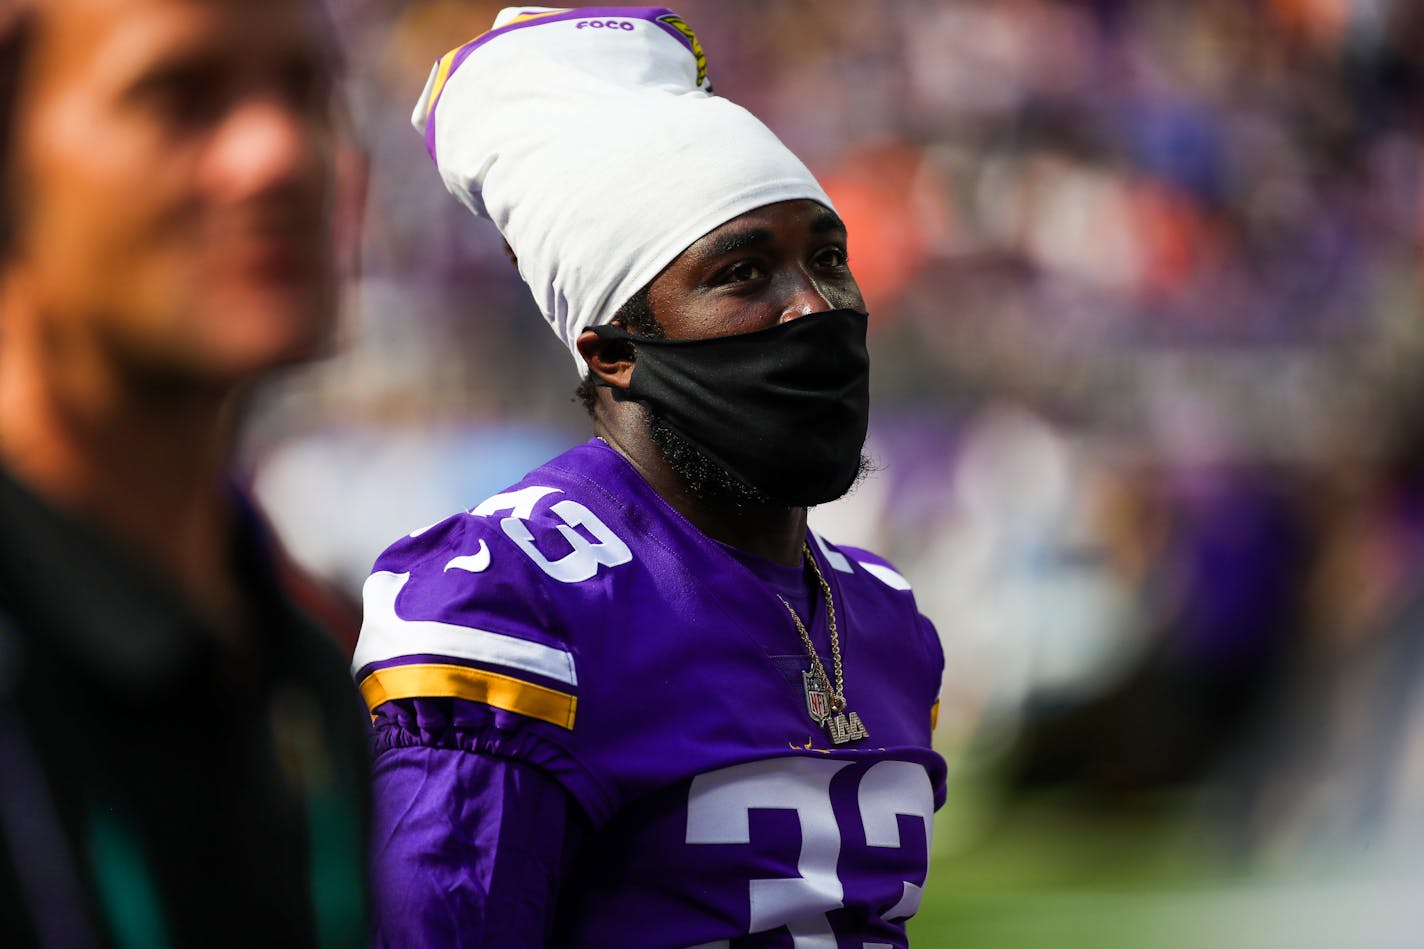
[711, 482]
[773, 418]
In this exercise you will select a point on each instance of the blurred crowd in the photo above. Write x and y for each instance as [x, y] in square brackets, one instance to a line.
[1146, 299]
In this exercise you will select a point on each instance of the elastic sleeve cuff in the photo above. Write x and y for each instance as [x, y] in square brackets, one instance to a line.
[462, 725]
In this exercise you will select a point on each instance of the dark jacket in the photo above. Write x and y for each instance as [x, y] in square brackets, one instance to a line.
[158, 786]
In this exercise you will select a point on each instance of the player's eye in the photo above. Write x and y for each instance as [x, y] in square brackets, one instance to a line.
[742, 271]
[834, 256]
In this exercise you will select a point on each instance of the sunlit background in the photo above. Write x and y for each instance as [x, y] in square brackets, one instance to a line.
[1145, 287]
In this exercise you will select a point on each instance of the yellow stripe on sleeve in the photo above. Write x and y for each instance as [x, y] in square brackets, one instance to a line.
[934, 715]
[438, 681]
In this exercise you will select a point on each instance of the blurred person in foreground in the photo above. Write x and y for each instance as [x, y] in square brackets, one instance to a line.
[632, 700]
[181, 753]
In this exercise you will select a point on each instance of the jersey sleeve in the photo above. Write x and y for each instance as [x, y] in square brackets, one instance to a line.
[468, 850]
[935, 649]
[462, 649]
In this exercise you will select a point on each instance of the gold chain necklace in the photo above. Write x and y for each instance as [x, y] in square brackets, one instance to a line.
[826, 705]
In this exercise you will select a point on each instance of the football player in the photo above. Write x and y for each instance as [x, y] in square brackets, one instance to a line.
[632, 700]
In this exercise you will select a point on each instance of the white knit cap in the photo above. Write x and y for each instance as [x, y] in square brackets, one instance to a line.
[591, 138]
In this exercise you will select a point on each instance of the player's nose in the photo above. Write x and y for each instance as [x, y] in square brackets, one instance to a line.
[803, 296]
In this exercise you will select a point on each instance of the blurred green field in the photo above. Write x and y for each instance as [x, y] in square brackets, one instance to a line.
[1041, 874]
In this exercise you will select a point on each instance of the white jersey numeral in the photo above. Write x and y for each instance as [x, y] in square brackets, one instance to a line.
[718, 812]
[606, 548]
[889, 789]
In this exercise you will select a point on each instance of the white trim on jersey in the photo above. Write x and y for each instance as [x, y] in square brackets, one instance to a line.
[384, 635]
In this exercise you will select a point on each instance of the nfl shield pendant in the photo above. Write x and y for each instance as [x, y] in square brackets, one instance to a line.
[845, 728]
[818, 700]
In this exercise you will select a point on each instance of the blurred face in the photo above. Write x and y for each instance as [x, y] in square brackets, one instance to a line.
[174, 176]
[764, 267]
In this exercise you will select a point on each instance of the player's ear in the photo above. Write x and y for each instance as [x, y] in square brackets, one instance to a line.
[610, 360]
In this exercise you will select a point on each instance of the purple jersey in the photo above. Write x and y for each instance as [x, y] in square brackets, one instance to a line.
[581, 625]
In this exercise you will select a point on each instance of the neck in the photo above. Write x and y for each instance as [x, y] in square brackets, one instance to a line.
[769, 531]
[144, 466]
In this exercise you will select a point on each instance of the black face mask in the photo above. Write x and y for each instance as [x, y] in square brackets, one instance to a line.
[784, 409]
